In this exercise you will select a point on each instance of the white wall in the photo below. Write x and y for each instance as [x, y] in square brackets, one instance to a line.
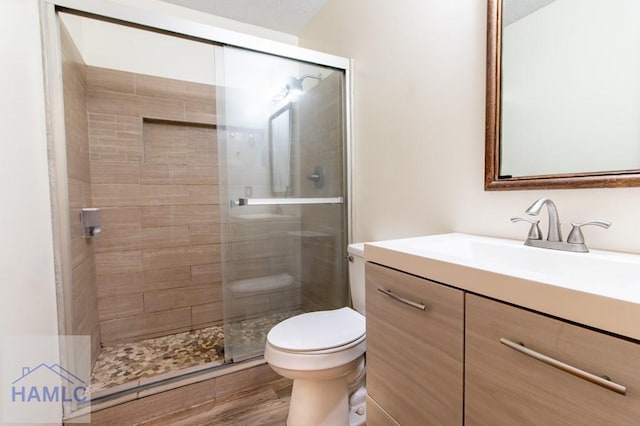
[584, 55]
[419, 127]
[27, 284]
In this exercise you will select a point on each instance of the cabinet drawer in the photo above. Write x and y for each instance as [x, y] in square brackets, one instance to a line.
[506, 386]
[414, 356]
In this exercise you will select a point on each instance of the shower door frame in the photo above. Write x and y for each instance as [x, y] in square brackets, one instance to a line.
[54, 108]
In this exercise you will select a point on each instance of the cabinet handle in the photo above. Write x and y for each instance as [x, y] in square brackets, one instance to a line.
[605, 383]
[416, 305]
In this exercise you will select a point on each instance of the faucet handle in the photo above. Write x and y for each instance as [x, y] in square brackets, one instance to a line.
[534, 231]
[576, 236]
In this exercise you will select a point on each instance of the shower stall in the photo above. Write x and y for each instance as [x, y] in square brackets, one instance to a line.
[204, 194]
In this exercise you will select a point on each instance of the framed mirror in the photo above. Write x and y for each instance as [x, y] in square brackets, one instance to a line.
[280, 141]
[563, 94]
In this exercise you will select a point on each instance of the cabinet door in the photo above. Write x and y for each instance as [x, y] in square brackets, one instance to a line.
[414, 356]
[506, 386]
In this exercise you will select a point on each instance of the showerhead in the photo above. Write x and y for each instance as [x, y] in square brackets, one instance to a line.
[294, 85]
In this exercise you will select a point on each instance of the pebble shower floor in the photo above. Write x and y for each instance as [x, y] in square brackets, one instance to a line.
[126, 362]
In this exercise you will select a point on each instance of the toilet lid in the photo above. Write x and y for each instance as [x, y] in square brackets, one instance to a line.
[316, 331]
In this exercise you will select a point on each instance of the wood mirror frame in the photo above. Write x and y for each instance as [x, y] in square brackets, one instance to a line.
[492, 180]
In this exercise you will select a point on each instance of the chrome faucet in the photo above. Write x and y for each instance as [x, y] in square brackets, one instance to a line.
[554, 233]
[574, 243]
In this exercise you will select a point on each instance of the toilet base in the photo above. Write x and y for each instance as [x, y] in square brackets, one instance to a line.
[319, 402]
[358, 407]
[322, 397]
[331, 412]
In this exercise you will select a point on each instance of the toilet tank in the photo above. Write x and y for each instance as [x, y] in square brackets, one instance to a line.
[356, 275]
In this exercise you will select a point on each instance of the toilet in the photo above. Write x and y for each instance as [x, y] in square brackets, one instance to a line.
[323, 353]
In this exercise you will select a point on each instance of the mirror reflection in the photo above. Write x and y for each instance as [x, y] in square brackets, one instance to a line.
[280, 144]
[570, 87]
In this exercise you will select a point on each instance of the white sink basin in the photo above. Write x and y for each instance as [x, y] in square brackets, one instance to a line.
[601, 272]
[566, 284]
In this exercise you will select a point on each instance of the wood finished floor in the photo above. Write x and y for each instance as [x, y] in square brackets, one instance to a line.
[265, 405]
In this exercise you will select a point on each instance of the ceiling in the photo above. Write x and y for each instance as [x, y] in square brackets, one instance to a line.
[287, 16]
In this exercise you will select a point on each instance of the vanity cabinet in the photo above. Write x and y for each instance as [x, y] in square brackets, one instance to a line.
[414, 355]
[506, 386]
[468, 359]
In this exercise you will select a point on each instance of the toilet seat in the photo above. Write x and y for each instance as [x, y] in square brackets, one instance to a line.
[319, 332]
[313, 362]
[317, 341]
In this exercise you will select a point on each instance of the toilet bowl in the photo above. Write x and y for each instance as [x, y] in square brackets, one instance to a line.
[323, 353]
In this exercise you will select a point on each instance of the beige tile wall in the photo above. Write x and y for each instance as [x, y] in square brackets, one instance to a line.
[153, 163]
[261, 246]
[321, 135]
[154, 174]
[84, 317]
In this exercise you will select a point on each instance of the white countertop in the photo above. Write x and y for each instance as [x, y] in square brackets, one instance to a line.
[600, 289]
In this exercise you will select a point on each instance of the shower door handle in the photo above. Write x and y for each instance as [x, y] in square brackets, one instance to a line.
[281, 201]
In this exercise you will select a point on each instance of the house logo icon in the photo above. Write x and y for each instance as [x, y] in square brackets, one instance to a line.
[48, 383]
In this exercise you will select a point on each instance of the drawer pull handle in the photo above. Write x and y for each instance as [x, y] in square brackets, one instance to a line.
[416, 305]
[604, 382]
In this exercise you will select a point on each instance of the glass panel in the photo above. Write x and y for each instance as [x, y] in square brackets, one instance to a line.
[141, 147]
[281, 135]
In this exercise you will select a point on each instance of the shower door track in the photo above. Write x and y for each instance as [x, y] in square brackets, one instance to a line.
[180, 26]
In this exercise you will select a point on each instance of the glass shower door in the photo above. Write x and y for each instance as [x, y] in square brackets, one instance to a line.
[281, 148]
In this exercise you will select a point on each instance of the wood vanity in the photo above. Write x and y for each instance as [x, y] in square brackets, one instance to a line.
[480, 359]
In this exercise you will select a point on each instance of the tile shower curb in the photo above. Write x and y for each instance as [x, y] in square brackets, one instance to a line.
[175, 380]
